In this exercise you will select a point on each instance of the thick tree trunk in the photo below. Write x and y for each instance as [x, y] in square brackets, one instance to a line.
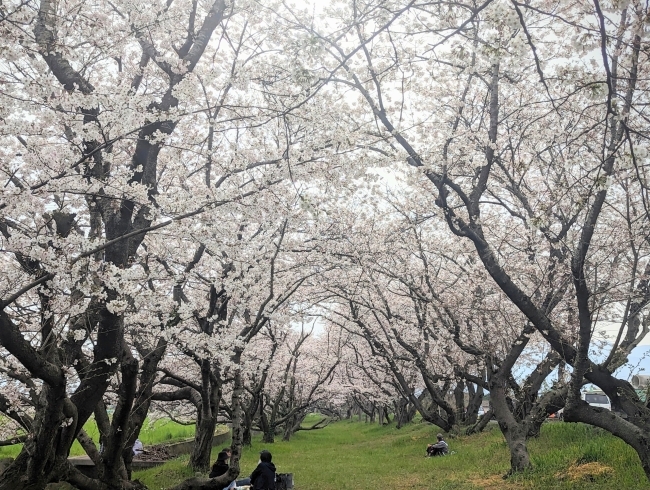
[268, 431]
[220, 482]
[287, 433]
[459, 398]
[47, 446]
[247, 436]
[516, 438]
[514, 432]
[200, 457]
[293, 425]
[269, 435]
[387, 414]
[290, 427]
[111, 469]
[475, 400]
[206, 418]
[16, 475]
[402, 413]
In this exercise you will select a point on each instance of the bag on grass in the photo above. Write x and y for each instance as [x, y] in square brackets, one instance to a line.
[283, 481]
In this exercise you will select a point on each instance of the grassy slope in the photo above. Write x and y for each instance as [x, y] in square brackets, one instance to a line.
[352, 455]
[159, 432]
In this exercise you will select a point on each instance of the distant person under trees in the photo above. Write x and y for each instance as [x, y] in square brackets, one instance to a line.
[138, 447]
[440, 448]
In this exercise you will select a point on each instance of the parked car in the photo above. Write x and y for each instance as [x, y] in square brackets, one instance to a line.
[597, 399]
[481, 411]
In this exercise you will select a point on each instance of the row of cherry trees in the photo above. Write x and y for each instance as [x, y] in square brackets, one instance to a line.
[386, 207]
[523, 127]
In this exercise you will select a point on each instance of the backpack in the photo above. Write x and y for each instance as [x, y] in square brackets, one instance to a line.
[283, 481]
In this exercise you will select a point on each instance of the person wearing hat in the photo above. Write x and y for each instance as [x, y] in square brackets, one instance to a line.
[440, 448]
[220, 467]
[263, 477]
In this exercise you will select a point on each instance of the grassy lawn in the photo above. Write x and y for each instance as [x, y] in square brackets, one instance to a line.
[353, 455]
[161, 431]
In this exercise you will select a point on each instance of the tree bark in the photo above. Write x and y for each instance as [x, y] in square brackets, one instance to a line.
[481, 424]
[247, 433]
[459, 398]
[519, 458]
[220, 482]
[200, 457]
[514, 432]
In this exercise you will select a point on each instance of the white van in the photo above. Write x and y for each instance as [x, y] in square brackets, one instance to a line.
[597, 399]
[594, 398]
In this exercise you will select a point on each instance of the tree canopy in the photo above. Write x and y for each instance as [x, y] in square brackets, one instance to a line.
[245, 211]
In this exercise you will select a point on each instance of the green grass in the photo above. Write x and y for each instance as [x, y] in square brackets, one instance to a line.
[167, 475]
[160, 431]
[354, 455]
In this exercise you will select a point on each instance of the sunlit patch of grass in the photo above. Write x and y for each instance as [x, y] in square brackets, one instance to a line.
[164, 431]
[10, 451]
[161, 431]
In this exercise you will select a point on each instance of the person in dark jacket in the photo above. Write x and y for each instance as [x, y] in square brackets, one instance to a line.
[263, 477]
[220, 467]
[440, 448]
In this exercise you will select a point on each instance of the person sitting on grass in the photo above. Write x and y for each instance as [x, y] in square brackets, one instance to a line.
[220, 467]
[239, 483]
[440, 448]
[138, 447]
[263, 477]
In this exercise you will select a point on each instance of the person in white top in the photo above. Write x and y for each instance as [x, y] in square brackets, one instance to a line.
[138, 448]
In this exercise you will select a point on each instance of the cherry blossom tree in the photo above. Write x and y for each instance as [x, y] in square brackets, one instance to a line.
[254, 281]
[523, 123]
[84, 185]
[427, 308]
[122, 125]
[298, 380]
[190, 181]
